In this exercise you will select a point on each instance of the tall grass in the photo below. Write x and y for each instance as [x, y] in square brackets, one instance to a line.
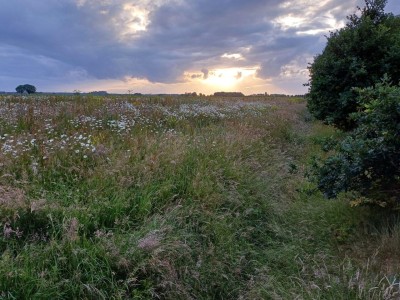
[173, 198]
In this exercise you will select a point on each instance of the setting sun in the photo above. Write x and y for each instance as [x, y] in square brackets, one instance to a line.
[226, 78]
[223, 77]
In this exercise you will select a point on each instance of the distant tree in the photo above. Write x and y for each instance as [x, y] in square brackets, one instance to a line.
[357, 55]
[30, 89]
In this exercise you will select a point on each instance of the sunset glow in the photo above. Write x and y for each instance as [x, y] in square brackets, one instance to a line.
[173, 46]
[227, 78]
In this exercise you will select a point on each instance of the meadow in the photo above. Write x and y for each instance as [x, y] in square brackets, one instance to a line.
[178, 197]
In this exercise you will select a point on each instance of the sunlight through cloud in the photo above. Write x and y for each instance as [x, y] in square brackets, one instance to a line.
[235, 56]
[136, 18]
[223, 77]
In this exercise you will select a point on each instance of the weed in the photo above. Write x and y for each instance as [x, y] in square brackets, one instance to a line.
[144, 197]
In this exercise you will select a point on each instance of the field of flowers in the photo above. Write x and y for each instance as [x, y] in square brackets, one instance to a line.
[145, 197]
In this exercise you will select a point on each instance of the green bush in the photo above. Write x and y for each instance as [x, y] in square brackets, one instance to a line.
[368, 159]
[357, 55]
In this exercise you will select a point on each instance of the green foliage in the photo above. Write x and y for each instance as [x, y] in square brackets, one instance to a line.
[30, 89]
[368, 159]
[357, 55]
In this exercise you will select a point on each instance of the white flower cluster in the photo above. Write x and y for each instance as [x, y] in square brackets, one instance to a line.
[123, 124]
[16, 145]
[52, 124]
[220, 110]
[78, 143]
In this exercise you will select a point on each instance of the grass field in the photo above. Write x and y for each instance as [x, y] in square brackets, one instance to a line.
[126, 197]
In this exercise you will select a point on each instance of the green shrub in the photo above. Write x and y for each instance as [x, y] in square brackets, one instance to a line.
[357, 55]
[368, 159]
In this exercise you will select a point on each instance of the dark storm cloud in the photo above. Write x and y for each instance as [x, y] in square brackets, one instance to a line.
[80, 39]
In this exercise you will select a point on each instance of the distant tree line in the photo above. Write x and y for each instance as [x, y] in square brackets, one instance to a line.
[99, 93]
[229, 94]
[194, 94]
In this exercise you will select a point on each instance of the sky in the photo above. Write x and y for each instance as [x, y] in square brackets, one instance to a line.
[166, 46]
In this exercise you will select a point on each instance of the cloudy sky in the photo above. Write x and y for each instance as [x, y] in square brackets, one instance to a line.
[166, 46]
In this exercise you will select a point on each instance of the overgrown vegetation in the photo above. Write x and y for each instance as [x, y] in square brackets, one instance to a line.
[356, 56]
[351, 90]
[176, 198]
[368, 159]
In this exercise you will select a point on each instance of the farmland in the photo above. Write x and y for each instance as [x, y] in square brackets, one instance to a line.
[150, 197]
